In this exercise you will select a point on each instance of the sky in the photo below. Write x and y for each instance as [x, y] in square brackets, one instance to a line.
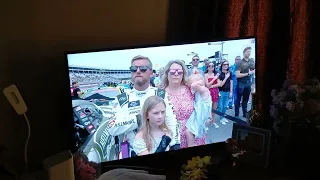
[160, 56]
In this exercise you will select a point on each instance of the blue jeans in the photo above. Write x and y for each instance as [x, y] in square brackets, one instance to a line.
[223, 102]
[234, 97]
[243, 92]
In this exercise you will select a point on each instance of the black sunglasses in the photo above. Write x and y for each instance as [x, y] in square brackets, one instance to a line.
[142, 68]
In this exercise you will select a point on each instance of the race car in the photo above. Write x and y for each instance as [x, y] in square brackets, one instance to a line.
[92, 136]
[102, 97]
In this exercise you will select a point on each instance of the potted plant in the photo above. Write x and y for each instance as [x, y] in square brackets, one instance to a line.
[294, 105]
[196, 168]
[207, 168]
[295, 111]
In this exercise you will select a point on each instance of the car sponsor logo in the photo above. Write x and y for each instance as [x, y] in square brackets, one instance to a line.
[103, 139]
[122, 99]
[90, 127]
[82, 115]
[78, 108]
[86, 123]
[111, 124]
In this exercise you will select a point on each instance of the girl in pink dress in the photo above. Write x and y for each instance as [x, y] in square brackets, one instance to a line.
[213, 83]
[181, 98]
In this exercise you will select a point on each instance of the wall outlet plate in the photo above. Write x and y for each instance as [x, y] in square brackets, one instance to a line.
[14, 97]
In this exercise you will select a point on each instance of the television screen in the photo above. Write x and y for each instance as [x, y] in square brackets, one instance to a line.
[140, 101]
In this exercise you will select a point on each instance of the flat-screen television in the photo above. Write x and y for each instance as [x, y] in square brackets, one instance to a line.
[143, 100]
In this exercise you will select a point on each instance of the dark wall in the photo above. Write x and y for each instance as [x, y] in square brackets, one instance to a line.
[313, 39]
[190, 20]
[33, 37]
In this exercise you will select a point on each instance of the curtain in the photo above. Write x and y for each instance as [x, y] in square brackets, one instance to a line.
[313, 37]
[299, 31]
[190, 21]
[281, 28]
[253, 19]
[269, 21]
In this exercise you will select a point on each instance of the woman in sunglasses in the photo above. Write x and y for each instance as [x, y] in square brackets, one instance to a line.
[225, 89]
[212, 83]
[174, 82]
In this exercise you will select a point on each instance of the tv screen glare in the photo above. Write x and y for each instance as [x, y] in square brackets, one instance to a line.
[139, 101]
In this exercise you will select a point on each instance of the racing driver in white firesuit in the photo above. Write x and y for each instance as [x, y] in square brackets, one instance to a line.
[128, 105]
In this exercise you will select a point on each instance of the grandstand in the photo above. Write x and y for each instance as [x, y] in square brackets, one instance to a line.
[88, 75]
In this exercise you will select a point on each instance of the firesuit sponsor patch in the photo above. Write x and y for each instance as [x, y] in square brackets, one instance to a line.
[122, 99]
[135, 112]
[124, 123]
[161, 93]
[119, 124]
[133, 104]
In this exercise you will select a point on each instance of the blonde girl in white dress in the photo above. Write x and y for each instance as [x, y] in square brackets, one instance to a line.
[154, 135]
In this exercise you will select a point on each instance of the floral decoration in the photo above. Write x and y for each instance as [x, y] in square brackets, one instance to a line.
[295, 100]
[255, 114]
[196, 168]
[83, 169]
[234, 150]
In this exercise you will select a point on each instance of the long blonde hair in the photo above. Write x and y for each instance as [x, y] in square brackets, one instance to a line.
[165, 81]
[148, 105]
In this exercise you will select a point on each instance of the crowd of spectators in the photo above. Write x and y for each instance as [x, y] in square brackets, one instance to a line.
[83, 78]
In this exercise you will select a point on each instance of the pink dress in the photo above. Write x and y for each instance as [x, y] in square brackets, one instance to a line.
[183, 106]
[214, 92]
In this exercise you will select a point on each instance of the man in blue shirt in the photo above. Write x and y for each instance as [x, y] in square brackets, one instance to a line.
[206, 62]
[234, 79]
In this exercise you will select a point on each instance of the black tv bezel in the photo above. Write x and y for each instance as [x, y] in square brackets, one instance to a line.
[66, 89]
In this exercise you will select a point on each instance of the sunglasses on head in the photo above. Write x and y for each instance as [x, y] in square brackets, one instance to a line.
[173, 71]
[142, 68]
